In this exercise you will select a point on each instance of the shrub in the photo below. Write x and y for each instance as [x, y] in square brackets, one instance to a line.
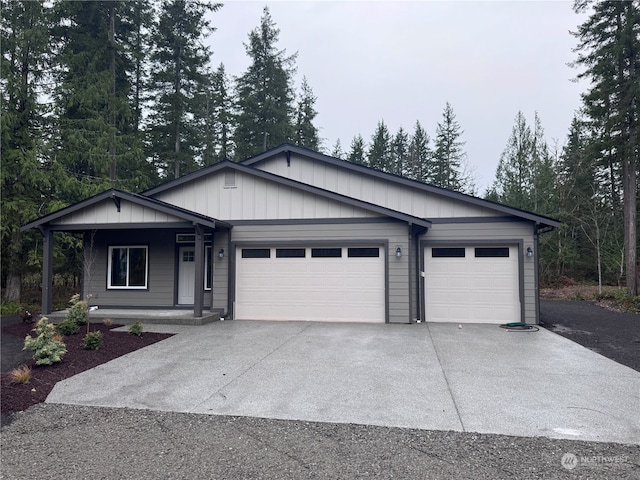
[93, 340]
[10, 308]
[107, 322]
[21, 374]
[46, 349]
[78, 313]
[68, 327]
[136, 329]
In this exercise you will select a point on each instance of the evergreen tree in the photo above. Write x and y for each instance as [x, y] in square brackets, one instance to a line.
[420, 155]
[513, 182]
[336, 151]
[357, 152]
[306, 133]
[219, 119]
[264, 93]
[179, 82]
[24, 179]
[399, 153]
[379, 155]
[448, 166]
[609, 51]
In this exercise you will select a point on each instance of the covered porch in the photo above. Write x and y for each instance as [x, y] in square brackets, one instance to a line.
[131, 272]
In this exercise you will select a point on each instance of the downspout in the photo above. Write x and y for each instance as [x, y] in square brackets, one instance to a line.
[412, 304]
[536, 265]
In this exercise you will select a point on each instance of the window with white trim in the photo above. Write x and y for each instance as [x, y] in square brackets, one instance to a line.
[128, 267]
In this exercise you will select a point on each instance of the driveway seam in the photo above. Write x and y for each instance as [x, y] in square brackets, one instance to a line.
[444, 374]
[244, 372]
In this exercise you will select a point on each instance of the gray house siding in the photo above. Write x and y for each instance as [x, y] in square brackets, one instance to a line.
[162, 273]
[391, 235]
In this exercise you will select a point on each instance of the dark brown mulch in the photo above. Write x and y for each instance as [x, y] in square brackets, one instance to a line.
[19, 397]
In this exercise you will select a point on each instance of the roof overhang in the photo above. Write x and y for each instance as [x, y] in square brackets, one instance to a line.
[117, 196]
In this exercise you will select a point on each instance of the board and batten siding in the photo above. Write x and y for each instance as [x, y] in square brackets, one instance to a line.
[220, 287]
[468, 233]
[106, 212]
[254, 198]
[391, 234]
[402, 198]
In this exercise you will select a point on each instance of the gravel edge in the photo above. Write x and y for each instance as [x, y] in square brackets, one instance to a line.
[51, 441]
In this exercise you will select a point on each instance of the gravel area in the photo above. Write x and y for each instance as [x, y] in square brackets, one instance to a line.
[70, 442]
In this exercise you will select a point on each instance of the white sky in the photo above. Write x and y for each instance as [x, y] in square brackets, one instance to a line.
[402, 61]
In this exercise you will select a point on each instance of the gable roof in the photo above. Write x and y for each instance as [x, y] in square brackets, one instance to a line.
[117, 195]
[226, 164]
[287, 149]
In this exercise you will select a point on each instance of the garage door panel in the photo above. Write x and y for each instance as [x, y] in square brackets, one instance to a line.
[472, 289]
[310, 288]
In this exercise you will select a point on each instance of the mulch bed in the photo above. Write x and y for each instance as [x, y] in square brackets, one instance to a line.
[19, 397]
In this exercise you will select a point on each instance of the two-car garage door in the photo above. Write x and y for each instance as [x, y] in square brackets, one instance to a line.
[472, 284]
[335, 283]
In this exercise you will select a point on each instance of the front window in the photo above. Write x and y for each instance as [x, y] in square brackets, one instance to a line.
[128, 267]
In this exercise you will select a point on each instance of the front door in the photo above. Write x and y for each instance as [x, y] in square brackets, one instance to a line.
[186, 275]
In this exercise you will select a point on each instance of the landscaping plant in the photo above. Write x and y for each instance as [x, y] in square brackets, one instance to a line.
[21, 374]
[78, 311]
[68, 327]
[47, 350]
[136, 329]
[93, 340]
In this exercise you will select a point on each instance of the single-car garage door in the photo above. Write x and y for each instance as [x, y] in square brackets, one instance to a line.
[472, 284]
[335, 284]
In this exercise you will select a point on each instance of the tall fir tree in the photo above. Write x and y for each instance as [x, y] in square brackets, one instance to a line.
[357, 151]
[609, 53]
[219, 119]
[25, 182]
[336, 150]
[379, 154]
[306, 133]
[448, 166]
[420, 155]
[179, 82]
[265, 96]
[399, 153]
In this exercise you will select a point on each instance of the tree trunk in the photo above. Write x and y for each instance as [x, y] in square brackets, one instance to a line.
[14, 274]
[112, 98]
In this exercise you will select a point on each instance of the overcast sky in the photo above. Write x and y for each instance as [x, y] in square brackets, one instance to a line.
[402, 61]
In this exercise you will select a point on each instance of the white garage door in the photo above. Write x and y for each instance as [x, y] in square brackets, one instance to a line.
[472, 284]
[335, 284]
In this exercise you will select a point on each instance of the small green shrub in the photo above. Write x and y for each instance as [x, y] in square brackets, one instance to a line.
[78, 313]
[93, 340]
[136, 329]
[68, 327]
[46, 349]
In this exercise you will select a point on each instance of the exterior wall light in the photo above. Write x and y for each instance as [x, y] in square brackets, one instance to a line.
[398, 252]
[221, 253]
[529, 252]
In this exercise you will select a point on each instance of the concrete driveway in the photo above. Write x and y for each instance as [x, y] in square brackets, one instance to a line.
[428, 376]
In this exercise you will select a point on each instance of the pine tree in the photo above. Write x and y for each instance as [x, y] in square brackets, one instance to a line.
[336, 151]
[219, 119]
[24, 179]
[379, 155]
[264, 93]
[399, 153]
[179, 82]
[357, 152]
[609, 51]
[420, 155]
[513, 182]
[448, 166]
[306, 133]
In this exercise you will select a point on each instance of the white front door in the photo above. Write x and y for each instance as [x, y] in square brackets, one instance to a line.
[186, 275]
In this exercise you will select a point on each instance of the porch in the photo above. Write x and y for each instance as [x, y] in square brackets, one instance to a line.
[128, 316]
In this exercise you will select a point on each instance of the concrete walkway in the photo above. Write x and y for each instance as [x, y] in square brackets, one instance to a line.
[428, 376]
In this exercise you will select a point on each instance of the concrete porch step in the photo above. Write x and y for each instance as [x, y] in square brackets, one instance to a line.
[152, 316]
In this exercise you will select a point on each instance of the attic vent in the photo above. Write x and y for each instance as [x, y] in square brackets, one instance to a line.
[230, 179]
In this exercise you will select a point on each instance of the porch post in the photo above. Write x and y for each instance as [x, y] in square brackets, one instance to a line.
[47, 270]
[198, 295]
